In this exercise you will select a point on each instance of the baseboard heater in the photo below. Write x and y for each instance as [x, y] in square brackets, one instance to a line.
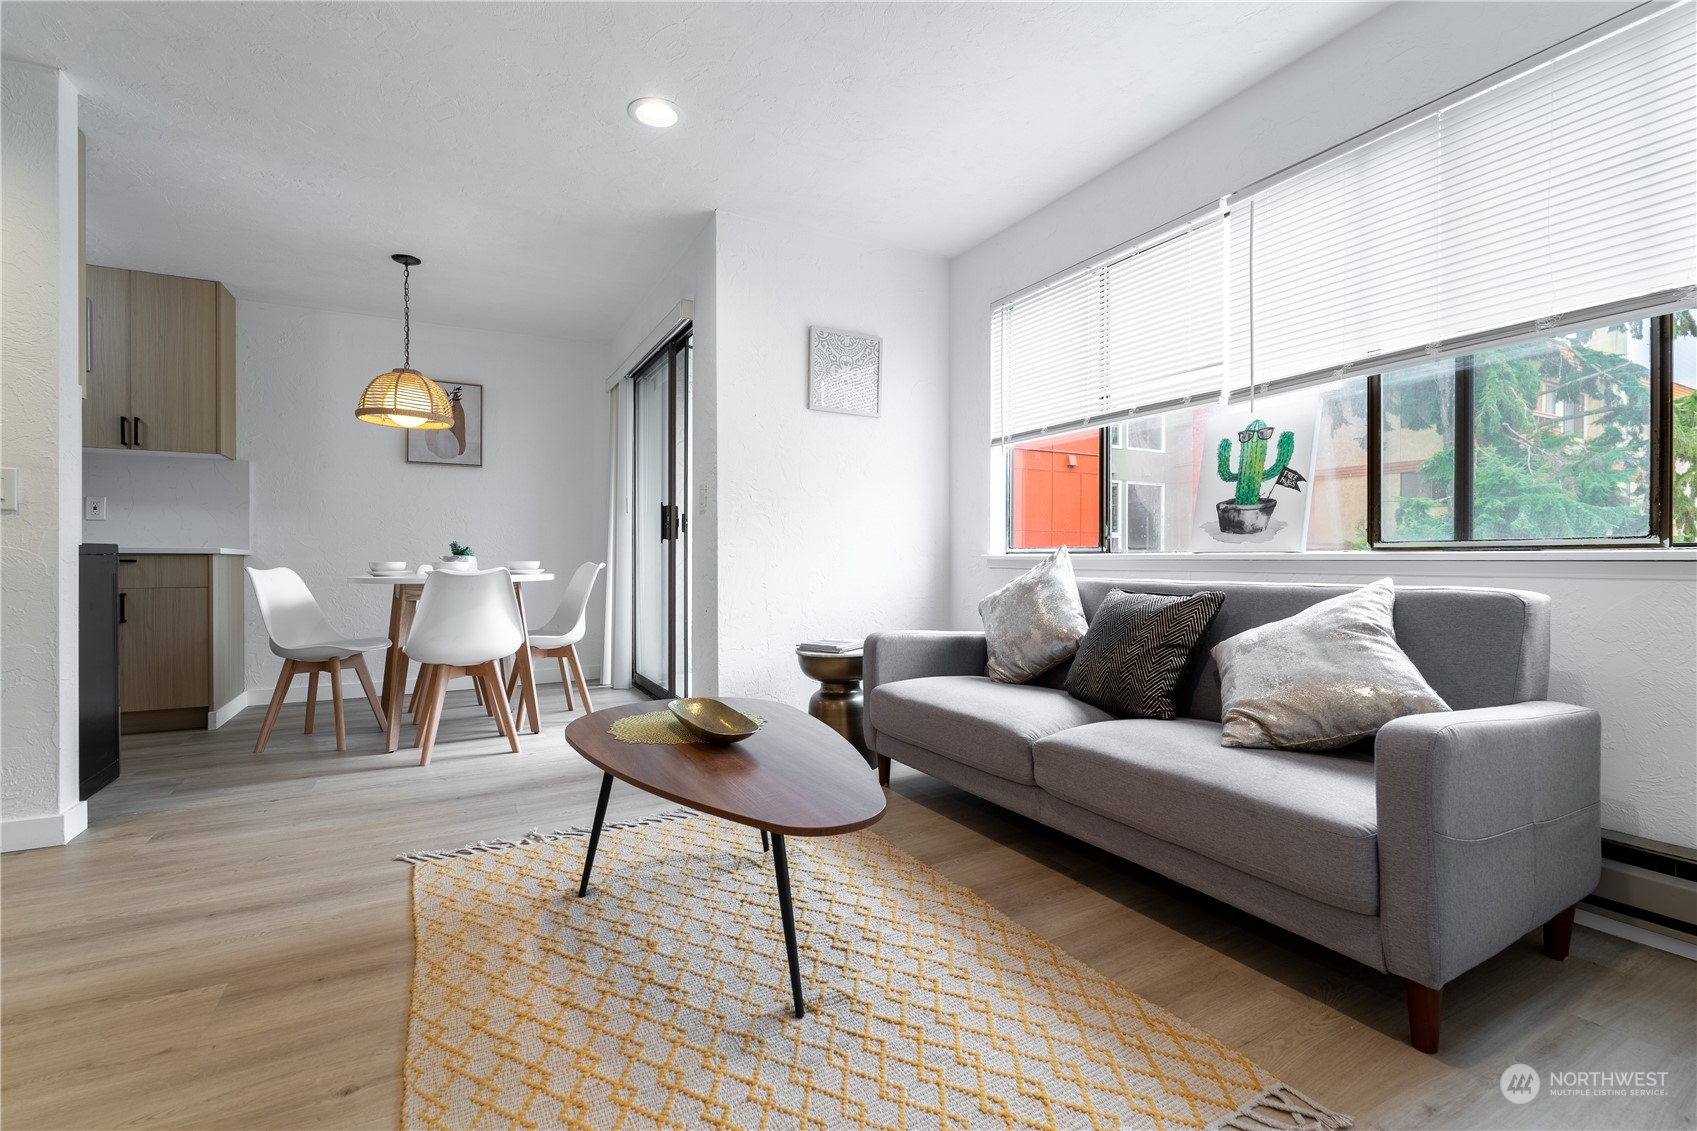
[1649, 884]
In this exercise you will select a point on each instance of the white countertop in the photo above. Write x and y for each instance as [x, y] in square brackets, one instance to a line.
[185, 550]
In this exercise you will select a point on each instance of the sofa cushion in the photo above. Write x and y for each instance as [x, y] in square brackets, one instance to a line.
[1137, 647]
[1034, 621]
[1307, 822]
[973, 719]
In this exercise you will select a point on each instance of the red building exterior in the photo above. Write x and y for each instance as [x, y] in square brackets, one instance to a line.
[1057, 492]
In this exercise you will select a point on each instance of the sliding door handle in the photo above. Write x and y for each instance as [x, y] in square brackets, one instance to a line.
[122, 609]
[124, 431]
[135, 427]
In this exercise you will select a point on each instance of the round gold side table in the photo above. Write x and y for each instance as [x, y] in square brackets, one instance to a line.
[837, 703]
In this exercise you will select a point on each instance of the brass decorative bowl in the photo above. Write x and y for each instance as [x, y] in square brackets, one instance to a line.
[713, 721]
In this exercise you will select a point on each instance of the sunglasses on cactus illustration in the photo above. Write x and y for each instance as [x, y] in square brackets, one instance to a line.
[1249, 434]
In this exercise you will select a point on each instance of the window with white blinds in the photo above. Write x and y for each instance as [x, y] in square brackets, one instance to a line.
[1566, 191]
[1568, 188]
[1142, 331]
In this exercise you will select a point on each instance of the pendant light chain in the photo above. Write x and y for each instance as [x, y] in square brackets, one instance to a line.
[406, 316]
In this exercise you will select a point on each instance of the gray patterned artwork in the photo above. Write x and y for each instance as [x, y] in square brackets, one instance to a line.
[842, 372]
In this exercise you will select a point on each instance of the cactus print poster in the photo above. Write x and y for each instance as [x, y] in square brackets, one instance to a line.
[460, 444]
[1253, 486]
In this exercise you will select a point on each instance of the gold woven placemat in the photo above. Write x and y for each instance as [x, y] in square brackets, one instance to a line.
[655, 726]
[663, 1000]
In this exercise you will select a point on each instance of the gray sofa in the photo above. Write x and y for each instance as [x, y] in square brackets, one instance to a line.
[1422, 852]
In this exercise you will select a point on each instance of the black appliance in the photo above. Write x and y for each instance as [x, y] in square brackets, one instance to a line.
[97, 710]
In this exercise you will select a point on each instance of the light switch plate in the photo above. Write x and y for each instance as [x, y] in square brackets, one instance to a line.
[94, 508]
[9, 489]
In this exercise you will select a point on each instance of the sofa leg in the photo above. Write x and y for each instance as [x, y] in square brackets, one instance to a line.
[1558, 934]
[883, 770]
[1425, 1007]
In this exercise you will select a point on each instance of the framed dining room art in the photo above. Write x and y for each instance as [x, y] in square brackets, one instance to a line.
[461, 444]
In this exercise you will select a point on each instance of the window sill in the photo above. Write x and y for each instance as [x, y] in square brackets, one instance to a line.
[1645, 564]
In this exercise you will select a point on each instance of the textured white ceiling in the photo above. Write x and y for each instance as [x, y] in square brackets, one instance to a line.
[288, 148]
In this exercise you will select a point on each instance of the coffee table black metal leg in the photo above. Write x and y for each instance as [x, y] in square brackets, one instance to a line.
[765, 845]
[595, 832]
[780, 862]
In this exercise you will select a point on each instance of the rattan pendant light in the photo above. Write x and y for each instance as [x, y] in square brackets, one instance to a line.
[404, 397]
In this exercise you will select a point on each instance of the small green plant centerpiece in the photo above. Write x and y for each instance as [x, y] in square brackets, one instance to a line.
[1247, 511]
[461, 557]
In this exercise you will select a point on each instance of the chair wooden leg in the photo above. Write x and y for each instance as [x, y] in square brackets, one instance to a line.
[577, 671]
[422, 686]
[565, 680]
[364, 673]
[513, 678]
[1425, 1008]
[883, 770]
[287, 677]
[336, 703]
[1558, 935]
[433, 713]
[477, 693]
[504, 715]
[311, 699]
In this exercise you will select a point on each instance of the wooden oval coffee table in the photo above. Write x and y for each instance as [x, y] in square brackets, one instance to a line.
[794, 777]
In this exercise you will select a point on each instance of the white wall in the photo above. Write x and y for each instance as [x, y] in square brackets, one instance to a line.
[829, 525]
[1624, 627]
[180, 502]
[42, 438]
[331, 493]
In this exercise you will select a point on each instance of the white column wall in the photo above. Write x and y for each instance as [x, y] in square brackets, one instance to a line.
[41, 436]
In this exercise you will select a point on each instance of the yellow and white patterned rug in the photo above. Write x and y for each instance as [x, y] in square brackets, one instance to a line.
[663, 999]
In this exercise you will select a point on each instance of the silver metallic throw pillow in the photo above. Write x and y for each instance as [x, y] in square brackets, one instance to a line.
[1034, 621]
[1321, 679]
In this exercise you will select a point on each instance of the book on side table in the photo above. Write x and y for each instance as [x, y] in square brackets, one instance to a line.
[831, 647]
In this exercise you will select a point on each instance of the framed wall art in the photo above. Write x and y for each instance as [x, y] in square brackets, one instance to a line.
[843, 371]
[461, 444]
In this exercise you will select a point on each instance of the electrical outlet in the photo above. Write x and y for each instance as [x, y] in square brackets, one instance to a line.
[94, 508]
[8, 489]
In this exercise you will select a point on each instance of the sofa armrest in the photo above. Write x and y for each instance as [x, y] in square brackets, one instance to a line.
[892, 656]
[1489, 825]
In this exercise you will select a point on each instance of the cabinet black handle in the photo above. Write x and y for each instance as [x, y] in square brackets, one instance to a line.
[124, 431]
[88, 361]
[137, 420]
[122, 619]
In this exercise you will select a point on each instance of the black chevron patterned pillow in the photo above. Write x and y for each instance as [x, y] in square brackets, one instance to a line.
[1130, 660]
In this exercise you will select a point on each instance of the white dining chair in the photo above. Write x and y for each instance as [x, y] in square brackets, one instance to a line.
[558, 639]
[465, 622]
[308, 644]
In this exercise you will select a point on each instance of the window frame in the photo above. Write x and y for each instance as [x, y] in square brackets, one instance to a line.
[1660, 536]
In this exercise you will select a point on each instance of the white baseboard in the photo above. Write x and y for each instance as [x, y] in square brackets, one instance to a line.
[221, 715]
[1635, 933]
[546, 672]
[20, 834]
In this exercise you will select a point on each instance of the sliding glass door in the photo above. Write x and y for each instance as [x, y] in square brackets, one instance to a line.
[659, 524]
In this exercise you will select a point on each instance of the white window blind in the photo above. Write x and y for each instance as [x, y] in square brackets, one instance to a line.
[1566, 189]
[1143, 330]
[1564, 193]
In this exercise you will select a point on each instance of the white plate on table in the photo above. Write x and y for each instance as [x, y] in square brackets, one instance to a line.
[392, 573]
[526, 572]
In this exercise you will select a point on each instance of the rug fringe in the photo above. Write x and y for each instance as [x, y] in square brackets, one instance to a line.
[1283, 1108]
[535, 836]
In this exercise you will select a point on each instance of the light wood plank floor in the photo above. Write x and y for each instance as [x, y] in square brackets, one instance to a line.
[229, 945]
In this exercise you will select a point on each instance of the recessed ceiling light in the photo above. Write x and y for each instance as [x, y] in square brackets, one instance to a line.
[656, 112]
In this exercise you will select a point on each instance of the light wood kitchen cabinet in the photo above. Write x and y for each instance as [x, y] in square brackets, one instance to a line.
[179, 639]
[163, 376]
[108, 371]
